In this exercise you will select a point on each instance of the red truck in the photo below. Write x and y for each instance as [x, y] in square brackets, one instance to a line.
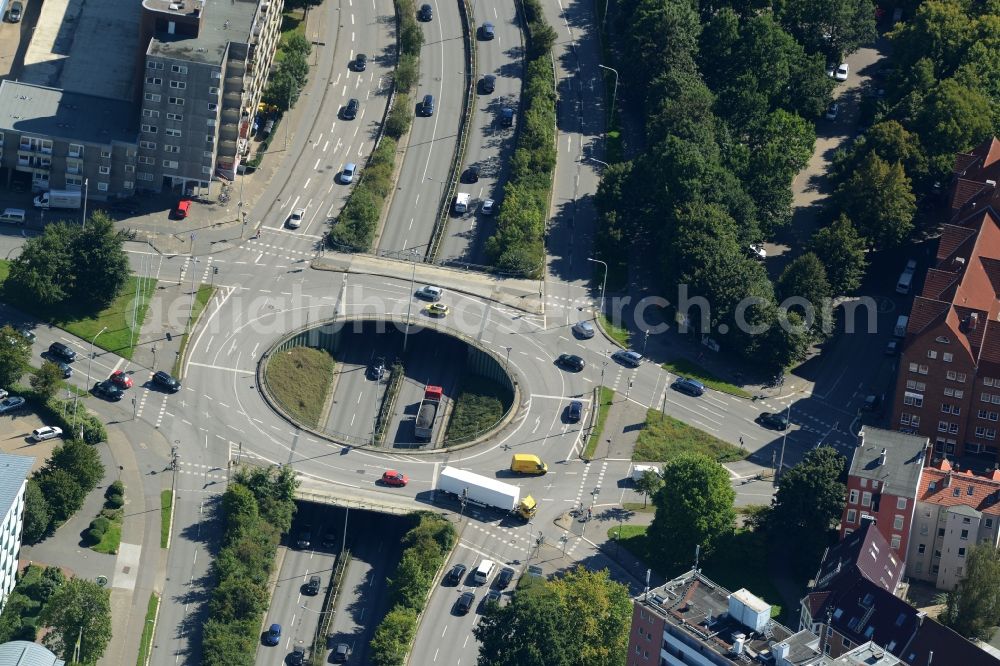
[427, 414]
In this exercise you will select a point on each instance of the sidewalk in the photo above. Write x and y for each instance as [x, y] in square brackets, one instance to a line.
[621, 429]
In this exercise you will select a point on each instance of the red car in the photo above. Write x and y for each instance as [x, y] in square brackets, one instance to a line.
[121, 379]
[394, 478]
[181, 211]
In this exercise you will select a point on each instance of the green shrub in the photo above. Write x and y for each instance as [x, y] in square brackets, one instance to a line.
[355, 227]
[400, 116]
[116, 488]
[407, 72]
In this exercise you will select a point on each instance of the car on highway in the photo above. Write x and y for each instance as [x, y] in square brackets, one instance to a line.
[492, 598]
[273, 635]
[486, 31]
[426, 13]
[455, 574]
[341, 653]
[395, 479]
[305, 537]
[297, 656]
[350, 112]
[583, 330]
[294, 220]
[360, 62]
[161, 378]
[121, 379]
[471, 175]
[109, 390]
[773, 420]
[59, 350]
[45, 432]
[489, 207]
[347, 175]
[891, 348]
[690, 386]
[842, 72]
[427, 106]
[67, 369]
[312, 587]
[832, 111]
[628, 358]
[429, 293]
[15, 12]
[376, 369]
[574, 412]
[503, 579]
[329, 538]
[438, 310]
[464, 603]
[571, 361]
[11, 404]
[487, 84]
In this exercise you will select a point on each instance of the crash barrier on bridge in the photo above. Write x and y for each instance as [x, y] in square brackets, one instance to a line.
[385, 412]
[329, 335]
[322, 639]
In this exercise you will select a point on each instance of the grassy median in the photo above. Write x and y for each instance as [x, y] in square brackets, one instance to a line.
[603, 407]
[300, 378]
[691, 369]
[146, 641]
[479, 406]
[166, 507]
[663, 438]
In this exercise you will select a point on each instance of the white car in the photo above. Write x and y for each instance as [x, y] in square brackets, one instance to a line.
[488, 208]
[45, 432]
[295, 219]
[347, 175]
[842, 72]
[757, 251]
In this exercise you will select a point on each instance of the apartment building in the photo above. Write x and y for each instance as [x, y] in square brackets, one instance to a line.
[948, 387]
[204, 74]
[14, 472]
[883, 483]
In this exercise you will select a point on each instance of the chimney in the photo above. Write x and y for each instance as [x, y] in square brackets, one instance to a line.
[973, 321]
[920, 618]
[881, 458]
[991, 183]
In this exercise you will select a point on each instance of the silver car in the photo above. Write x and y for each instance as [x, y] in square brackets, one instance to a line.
[630, 358]
[583, 329]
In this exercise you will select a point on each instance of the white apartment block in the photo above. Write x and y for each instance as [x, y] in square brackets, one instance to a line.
[14, 472]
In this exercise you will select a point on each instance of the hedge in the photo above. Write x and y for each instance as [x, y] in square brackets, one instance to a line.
[427, 548]
[354, 229]
[517, 246]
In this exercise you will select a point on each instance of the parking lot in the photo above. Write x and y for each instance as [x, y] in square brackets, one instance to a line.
[14, 431]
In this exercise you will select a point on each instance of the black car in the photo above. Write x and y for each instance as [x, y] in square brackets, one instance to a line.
[425, 13]
[571, 361]
[341, 653]
[297, 657]
[471, 175]
[773, 421]
[67, 369]
[427, 106]
[360, 62]
[503, 579]
[160, 378]
[62, 351]
[574, 412]
[312, 587]
[464, 603]
[455, 576]
[506, 117]
[305, 538]
[690, 386]
[492, 598]
[376, 369]
[351, 110]
[108, 389]
[488, 84]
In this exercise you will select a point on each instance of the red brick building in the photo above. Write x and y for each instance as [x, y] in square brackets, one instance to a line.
[949, 379]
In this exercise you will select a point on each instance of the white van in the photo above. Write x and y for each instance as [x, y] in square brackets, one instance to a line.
[462, 203]
[12, 216]
[484, 571]
[905, 282]
[901, 323]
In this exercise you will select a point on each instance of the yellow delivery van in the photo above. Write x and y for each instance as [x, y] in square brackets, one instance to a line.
[526, 463]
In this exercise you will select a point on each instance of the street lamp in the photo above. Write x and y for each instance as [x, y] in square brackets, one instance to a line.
[89, 362]
[615, 93]
[604, 283]
[409, 303]
[507, 364]
[86, 189]
[784, 436]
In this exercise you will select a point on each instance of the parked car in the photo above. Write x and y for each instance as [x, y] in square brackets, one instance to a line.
[181, 209]
[312, 587]
[455, 574]
[347, 175]
[571, 361]
[488, 208]
[773, 420]
[341, 653]
[360, 62]
[832, 111]
[492, 598]
[426, 13]
[575, 411]
[27, 333]
[486, 31]
[60, 350]
[121, 379]
[488, 84]
[45, 432]
[273, 635]
[294, 220]
[629, 358]
[583, 329]
[161, 378]
[471, 175]
[464, 603]
[350, 111]
[690, 386]
[842, 72]
[891, 348]
[11, 404]
[109, 390]
[503, 579]
[395, 479]
[429, 293]
[15, 12]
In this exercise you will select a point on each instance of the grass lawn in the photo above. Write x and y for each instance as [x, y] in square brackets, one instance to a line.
[478, 407]
[639, 507]
[690, 369]
[166, 506]
[292, 22]
[146, 642]
[607, 397]
[663, 438]
[300, 379]
[117, 317]
[111, 540]
[618, 334]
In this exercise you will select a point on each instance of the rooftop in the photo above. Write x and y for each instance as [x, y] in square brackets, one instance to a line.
[23, 653]
[52, 112]
[13, 471]
[864, 550]
[203, 28]
[868, 654]
[946, 486]
[899, 472]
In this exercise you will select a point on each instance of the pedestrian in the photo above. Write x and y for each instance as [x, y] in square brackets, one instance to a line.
[590, 514]
[742, 446]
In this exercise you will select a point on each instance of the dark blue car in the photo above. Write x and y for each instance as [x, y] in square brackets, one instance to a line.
[273, 635]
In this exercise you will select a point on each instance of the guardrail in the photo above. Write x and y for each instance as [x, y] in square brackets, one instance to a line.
[388, 402]
[317, 657]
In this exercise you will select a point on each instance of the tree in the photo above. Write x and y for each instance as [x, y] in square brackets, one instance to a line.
[225, 644]
[80, 610]
[236, 599]
[15, 352]
[80, 460]
[37, 515]
[46, 379]
[693, 508]
[649, 484]
[409, 585]
[879, 199]
[780, 146]
[63, 493]
[101, 267]
[805, 280]
[391, 641]
[973, 607]
[955, 117]
[44, 271]
[842, 251]
[598, 609]
[831, 27]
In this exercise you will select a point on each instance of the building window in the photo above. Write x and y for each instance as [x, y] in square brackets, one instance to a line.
[946, 357]
[956, 492]
[961, 552]
[146, 160]
[851, 516]
[149, 145]
[961, 378]
[897, 522]
[935, 569]
[914, 385]
[995, 399]
[941, 532]
[919, 569]
[900, 502]
[210, 138]
[75, 150]
[895, 541]
[172, 132]
[153, 81]
[154, 65]
[104, 170]
[169, 164]
[921, 548]
[103, 187]
[206, 170]
[854, 497]
[105, 153]
[128, 184]
[150, 97]
[174, 116]
[964, 534]
[145, 176]
[129, 168]
[952, 375]
[210, 122]
[931, 353]
[151, 129]
[150, 113]
[914, 399]
[171, 149]
[213, 91]
[989, 523]
[923, 529]
[942, 426]
[178, 85]
[216, 74]
[991, 433]
[179, 101]
[952, 428]
[959, 394]
[923, 369]
[212, 106]
[178, 69]
[950, 392]
[913, 367]
[866, 499]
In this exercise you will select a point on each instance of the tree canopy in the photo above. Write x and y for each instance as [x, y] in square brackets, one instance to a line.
[79, 610]
[973, 607]
[15, 352]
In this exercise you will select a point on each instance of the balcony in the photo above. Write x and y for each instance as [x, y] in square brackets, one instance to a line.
[73, 170]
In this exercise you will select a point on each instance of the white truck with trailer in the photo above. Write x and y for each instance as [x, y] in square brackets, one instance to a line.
[484, 491]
